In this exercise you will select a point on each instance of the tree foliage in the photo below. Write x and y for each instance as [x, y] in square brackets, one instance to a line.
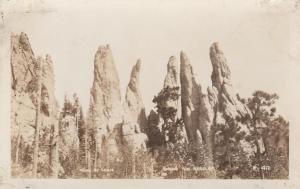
[267, 131]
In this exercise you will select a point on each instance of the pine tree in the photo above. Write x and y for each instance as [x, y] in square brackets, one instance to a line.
[227, 152]
[262, 107]
[175, 149]
[276, 140]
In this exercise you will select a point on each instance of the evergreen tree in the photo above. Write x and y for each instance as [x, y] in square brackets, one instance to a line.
[264, 124]
[228, 154]
[175, 149]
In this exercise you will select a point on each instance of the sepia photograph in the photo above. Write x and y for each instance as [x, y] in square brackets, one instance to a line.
[153, 90]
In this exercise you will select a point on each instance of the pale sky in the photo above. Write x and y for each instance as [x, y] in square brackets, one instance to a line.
[255, 40]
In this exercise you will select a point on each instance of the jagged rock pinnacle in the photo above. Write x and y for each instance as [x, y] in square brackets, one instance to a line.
[190, 97]
[221, 72]
[24, 42]
[105, 94]
[135, 77]
[134, 107]
[171, 80]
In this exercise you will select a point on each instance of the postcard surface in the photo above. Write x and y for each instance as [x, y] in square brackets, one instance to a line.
[170, 93]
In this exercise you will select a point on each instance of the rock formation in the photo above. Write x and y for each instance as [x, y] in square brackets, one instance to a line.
[171, 79]
[188, 127]
[105, 105]
[190, 98]
[223, 97]
[23, 62]
[198, 109]
[197, 112]
[134, 108]
[106, 90]
[49, 108]
[227, 99]
[135, 121]
[24, 66]
[117, 130]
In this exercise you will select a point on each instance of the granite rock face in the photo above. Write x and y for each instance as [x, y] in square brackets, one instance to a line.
[222, 94]
[135, 120]
[230, 105]
[23, 62]
[116, 127]
[105, 92]
[49, 103]
[190, 98]
[105, 103]
[134, 108]
[223, 98]
[171, 79]
[197, 111]
[24, 68]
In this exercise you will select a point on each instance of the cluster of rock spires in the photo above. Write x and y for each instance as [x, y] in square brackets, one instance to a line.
[58, 133]
[114, 123]
[25, 72]
[200, 111]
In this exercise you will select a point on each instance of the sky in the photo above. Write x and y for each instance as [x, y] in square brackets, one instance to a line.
[256, 41]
